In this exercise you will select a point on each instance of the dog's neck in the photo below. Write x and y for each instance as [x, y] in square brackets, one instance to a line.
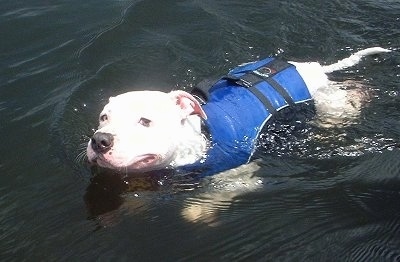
[192, 145]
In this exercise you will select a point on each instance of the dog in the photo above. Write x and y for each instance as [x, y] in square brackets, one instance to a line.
[214, 128]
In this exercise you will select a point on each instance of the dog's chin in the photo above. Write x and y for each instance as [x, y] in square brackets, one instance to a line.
[144, 163]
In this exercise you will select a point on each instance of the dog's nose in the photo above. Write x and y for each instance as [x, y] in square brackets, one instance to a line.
[102, 142]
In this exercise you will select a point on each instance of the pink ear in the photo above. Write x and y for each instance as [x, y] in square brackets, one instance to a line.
[188, 103]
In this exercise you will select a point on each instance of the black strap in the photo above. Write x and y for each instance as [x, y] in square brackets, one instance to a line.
[250, 80]
[280, 89]
[268, 105]
[273, 67]
[247, 80]
[201, 90]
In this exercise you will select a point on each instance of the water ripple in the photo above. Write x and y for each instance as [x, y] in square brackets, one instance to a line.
[29, 11]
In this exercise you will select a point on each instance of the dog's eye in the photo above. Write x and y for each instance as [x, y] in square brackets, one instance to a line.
[145, 122]
[103, 117]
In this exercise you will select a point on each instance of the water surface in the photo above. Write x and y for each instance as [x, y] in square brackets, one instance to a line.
[321, 200]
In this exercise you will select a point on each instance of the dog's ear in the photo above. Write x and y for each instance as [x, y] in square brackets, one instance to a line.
[188, 104]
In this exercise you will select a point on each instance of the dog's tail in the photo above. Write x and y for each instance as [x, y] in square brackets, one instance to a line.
[353, 59]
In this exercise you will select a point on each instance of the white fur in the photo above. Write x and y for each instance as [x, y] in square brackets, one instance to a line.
[353, 59]
[174, 137]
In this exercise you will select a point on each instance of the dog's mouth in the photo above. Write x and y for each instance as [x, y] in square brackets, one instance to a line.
[141, 163]
[145, 161]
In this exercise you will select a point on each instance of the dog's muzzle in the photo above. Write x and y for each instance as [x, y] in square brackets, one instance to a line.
[102, 142]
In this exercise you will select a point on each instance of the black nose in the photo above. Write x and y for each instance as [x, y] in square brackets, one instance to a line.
[102, 142]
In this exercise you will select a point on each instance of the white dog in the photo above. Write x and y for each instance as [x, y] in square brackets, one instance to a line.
[214, 129]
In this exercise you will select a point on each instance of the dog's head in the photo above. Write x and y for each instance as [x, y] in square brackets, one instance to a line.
[141, 130]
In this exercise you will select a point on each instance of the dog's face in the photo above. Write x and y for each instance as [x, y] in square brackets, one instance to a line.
[140, 131]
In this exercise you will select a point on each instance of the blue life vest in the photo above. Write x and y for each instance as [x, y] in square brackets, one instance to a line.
[237, 107]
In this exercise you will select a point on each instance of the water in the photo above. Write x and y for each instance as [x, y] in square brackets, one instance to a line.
[332, 199]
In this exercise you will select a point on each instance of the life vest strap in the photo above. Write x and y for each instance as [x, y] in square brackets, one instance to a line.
[278, 88]
[249, 78]
[201, 90]
[250, 81]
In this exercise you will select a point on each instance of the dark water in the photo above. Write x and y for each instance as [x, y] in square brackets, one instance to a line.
[339, 200]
